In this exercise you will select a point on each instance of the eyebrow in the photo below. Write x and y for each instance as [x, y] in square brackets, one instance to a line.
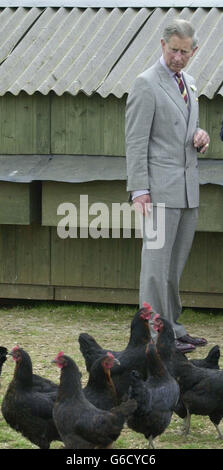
[181, 50]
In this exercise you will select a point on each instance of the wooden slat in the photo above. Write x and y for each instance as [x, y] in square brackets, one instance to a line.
[53, 194]
[202, 300]
[58, 112]
[33, 255]
[210, 120]
[203, 271]
[25, 124]
[113, 296]
[14, 208]
[8, 124]
[114, 126]
[131, 296]
[20, 203]
[103, 263]
[214, 263]
[125, 296]
[42, 124]
[8, 269]
[108, 192]
[194, 277]
[210, 210]
[13, 291]
[24, 254]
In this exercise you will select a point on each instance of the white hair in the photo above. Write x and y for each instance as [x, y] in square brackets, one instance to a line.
[181, 28]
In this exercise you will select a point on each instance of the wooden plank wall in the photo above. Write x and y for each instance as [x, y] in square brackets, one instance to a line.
[61, 125]
[83, 125]
[25, 124]
[35, 263]
[80, 125]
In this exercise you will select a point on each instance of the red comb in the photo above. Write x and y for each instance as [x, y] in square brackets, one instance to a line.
[57, 359]
[147, 306]
[147, 312]
[61, 353]
[14, 351]
[109, 354]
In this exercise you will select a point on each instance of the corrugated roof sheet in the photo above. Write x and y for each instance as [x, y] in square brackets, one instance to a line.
[99, 49]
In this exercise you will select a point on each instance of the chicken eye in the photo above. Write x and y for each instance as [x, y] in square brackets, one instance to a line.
[106, 363]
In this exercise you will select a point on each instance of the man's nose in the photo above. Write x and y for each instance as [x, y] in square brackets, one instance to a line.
[178, 54]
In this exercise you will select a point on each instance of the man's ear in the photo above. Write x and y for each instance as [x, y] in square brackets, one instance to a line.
[162, 43]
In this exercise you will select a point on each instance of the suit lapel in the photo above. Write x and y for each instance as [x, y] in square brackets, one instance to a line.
[193, 104]
[166, 82]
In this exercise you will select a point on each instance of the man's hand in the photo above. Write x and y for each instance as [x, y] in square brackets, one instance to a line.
[142, 204]
[201, 140]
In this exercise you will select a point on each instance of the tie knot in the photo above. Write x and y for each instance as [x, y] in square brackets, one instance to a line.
[178, 75]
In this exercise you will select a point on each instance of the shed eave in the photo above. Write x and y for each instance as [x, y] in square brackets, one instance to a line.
[113, 3]
[85, 168]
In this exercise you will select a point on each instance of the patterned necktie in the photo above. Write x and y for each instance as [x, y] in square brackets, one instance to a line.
[182, 87]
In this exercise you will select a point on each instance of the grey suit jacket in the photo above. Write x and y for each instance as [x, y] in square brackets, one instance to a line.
[159, 139]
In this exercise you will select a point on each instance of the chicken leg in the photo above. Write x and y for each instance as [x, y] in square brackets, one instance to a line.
[220, 435]
[151, 444]
[186, 426]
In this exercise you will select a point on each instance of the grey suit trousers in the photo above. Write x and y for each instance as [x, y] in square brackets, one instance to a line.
[161, 269]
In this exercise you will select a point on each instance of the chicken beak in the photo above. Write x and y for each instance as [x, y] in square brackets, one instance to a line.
[116, 361]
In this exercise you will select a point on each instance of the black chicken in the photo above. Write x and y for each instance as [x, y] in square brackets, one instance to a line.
[28, 403]
[82, 425]
[139, 335]
[100, 389]
[132, 357]
[201, 388]
[156, 397]
[211, 361]
[201, 393]
[170, 355]
[166, 342]
[3, 356]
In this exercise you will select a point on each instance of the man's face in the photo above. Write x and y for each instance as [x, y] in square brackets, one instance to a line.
[177, 52]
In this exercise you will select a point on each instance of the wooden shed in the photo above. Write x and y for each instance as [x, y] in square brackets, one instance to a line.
[65, 72]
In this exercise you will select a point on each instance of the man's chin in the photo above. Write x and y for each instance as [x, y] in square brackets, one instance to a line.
[176, 68]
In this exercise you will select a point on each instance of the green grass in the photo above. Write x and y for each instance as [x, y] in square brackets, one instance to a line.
[44, 328]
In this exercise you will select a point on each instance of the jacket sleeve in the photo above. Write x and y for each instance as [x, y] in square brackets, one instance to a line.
[140, 110]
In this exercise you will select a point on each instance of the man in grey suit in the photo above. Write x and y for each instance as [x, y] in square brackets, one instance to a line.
[162, 140]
